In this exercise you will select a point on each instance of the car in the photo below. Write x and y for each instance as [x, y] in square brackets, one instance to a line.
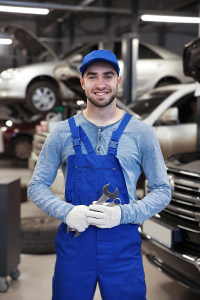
[16, 133]
[36, 86]
[174, 112]
[171, 238]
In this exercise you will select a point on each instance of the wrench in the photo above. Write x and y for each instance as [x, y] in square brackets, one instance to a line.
[105, 196]
[71, 229]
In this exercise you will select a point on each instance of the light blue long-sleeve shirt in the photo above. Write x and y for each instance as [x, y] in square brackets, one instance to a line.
[138, 150]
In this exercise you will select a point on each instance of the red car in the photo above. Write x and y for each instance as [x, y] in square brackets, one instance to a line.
[16, 134]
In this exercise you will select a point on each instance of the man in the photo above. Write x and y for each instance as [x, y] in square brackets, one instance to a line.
[100, 146]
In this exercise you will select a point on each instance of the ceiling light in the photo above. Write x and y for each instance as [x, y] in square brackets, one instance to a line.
[5, 41]
[170, 19]
[23, 10]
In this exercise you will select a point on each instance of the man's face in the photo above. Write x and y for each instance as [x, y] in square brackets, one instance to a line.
[100, 82]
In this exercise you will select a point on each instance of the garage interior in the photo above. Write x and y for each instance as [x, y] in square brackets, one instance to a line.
[68, 25]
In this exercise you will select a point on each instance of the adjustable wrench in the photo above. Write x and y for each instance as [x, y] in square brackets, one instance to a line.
[105, 196]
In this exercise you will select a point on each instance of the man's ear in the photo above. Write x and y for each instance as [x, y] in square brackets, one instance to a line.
[119, 80]
[82, 83]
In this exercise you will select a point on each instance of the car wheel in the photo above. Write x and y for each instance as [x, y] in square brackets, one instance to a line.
[21, 147]
[42, 96]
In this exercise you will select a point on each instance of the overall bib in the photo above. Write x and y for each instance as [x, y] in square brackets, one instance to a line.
[112, 257]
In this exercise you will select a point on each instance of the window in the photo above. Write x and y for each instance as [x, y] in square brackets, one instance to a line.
[146, 105]
[146, 53]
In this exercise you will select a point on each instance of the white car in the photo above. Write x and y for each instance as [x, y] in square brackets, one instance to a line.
[174, 113]
[36, 85]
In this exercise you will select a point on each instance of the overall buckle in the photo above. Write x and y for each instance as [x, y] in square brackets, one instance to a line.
[76, 142]
[113, 144]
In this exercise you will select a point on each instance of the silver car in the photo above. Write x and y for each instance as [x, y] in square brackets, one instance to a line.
[174, 113]
[36, 85]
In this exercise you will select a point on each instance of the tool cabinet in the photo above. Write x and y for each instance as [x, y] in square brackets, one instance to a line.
[10, 196]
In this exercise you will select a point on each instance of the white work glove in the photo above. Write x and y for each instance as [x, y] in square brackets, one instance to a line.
[104, 216]
[76, 218]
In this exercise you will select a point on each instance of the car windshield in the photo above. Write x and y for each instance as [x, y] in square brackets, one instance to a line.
[147, 103]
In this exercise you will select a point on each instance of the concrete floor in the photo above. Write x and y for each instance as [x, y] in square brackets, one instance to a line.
[37, 270]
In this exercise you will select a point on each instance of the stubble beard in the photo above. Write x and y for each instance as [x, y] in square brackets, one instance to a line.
[99, 103]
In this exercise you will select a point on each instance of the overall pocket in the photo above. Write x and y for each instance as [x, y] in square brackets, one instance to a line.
[89, 182]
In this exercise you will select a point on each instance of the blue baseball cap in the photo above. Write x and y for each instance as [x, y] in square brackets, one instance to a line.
[100, 55]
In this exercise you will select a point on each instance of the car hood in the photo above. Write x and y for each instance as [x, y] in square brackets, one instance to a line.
[185, 162]
[30, 42]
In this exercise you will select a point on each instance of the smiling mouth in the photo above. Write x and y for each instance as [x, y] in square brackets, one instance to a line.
[100, 93]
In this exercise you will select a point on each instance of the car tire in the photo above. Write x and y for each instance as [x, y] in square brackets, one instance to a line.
[38, 235]
[21, 147]
[42, 97]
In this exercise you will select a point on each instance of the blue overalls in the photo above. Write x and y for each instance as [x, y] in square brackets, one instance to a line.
[112, 257]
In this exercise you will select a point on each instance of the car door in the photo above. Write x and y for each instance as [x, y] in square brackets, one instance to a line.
[180, 136]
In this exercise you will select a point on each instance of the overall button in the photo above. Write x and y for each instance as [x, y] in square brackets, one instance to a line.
[99, 149]
[100, 139]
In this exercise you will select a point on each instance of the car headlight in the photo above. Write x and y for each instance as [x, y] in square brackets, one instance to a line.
[9, 73]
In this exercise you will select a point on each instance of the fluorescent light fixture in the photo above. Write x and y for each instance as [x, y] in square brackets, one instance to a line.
[170, 19]
[24, 10]
[5, 41]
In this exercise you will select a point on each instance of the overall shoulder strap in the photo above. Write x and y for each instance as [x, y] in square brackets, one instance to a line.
[86, 141]
[75, 135]
[78, 135]
[112, 150]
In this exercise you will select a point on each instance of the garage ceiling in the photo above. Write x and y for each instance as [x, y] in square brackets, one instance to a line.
[62, 9]
[86, 19]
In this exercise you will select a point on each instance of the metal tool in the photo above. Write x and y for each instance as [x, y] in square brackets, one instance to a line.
[71, 229]
[106, 195]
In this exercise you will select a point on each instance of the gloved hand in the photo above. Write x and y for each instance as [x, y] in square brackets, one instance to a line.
[103, 216]
[77, 219]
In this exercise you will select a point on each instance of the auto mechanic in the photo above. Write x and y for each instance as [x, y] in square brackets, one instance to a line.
[98, 147]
